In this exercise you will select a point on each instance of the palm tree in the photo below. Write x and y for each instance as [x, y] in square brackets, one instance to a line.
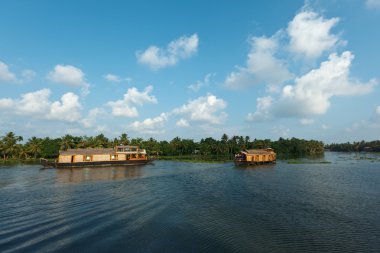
[22, 152]
[10, 146]
[34, 146]
[123, 139]
[101, 141]
[67, 142]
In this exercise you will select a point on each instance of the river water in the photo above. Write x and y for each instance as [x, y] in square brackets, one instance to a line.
[193, 207]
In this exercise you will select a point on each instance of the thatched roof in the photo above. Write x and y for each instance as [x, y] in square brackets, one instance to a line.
[259, 151]
[88, 151]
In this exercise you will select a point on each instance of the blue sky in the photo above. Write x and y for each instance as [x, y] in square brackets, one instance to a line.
[191, 69]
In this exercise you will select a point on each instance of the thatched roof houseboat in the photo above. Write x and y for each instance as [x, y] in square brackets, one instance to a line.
[88, 157]
[255, 156]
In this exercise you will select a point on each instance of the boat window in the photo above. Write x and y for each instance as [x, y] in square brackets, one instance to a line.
[88, 158]
[113, 157]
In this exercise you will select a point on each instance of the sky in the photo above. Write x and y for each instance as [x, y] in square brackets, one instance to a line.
[192, 69]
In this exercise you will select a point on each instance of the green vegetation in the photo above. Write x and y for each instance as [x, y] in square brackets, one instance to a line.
[372, 146]
[207, 149]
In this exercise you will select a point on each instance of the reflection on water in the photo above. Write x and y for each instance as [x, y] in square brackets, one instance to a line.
[193, 207]
[77, 175]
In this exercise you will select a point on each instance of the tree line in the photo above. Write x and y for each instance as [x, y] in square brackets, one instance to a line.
[12, 148]
[372, 146]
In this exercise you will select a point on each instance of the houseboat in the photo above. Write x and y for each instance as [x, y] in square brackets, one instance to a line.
[255, 157]
[93, 157]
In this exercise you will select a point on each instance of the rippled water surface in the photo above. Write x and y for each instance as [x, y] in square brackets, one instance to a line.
[193, 207]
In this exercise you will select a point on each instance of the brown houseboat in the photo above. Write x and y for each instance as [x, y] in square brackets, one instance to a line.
[255, 157]
[90, 157]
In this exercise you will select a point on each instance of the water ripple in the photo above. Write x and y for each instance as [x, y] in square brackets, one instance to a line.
[182, 207]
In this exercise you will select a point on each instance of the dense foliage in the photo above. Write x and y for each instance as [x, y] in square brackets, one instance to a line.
[372, 146]
[34, 147]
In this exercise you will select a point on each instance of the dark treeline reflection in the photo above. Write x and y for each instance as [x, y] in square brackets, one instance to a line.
[11, 146]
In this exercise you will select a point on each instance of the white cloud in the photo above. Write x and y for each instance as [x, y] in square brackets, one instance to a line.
[240, 79]
[311, 93]
[204, 109]
[69, 75]
[261, 66]
[6, 103]
[5, 74]
[150, 125]
[68, 109]
[33, 102]
[90, 120]
[310, 34]
[126, 108]
[372, 4]
[157, 58]
[112, 78]
[182, 123]
[37, 104]
[263, 106]
[199, 84]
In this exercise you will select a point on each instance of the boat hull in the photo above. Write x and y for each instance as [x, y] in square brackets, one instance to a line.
[251, 163]
[47, 164]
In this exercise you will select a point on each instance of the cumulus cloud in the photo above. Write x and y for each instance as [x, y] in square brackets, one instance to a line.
[33, 103]
[126, 106]
[261, 67]
[372, 4]
[311, 93]
[263, 106]
[310, 34]
[150, 125]
[67, 109]
[6, 103]
[5, 74]
[90, 120]
[157, 58]
[38, 105]
[206, 109]
[69, 75]
[182, 123]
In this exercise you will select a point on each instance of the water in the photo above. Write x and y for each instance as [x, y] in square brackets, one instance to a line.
[192, 207]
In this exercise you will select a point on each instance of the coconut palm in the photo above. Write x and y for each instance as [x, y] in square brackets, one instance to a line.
[34, 146]
[10, 146]
[67, 142]
[22, 152]
[123, 139]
